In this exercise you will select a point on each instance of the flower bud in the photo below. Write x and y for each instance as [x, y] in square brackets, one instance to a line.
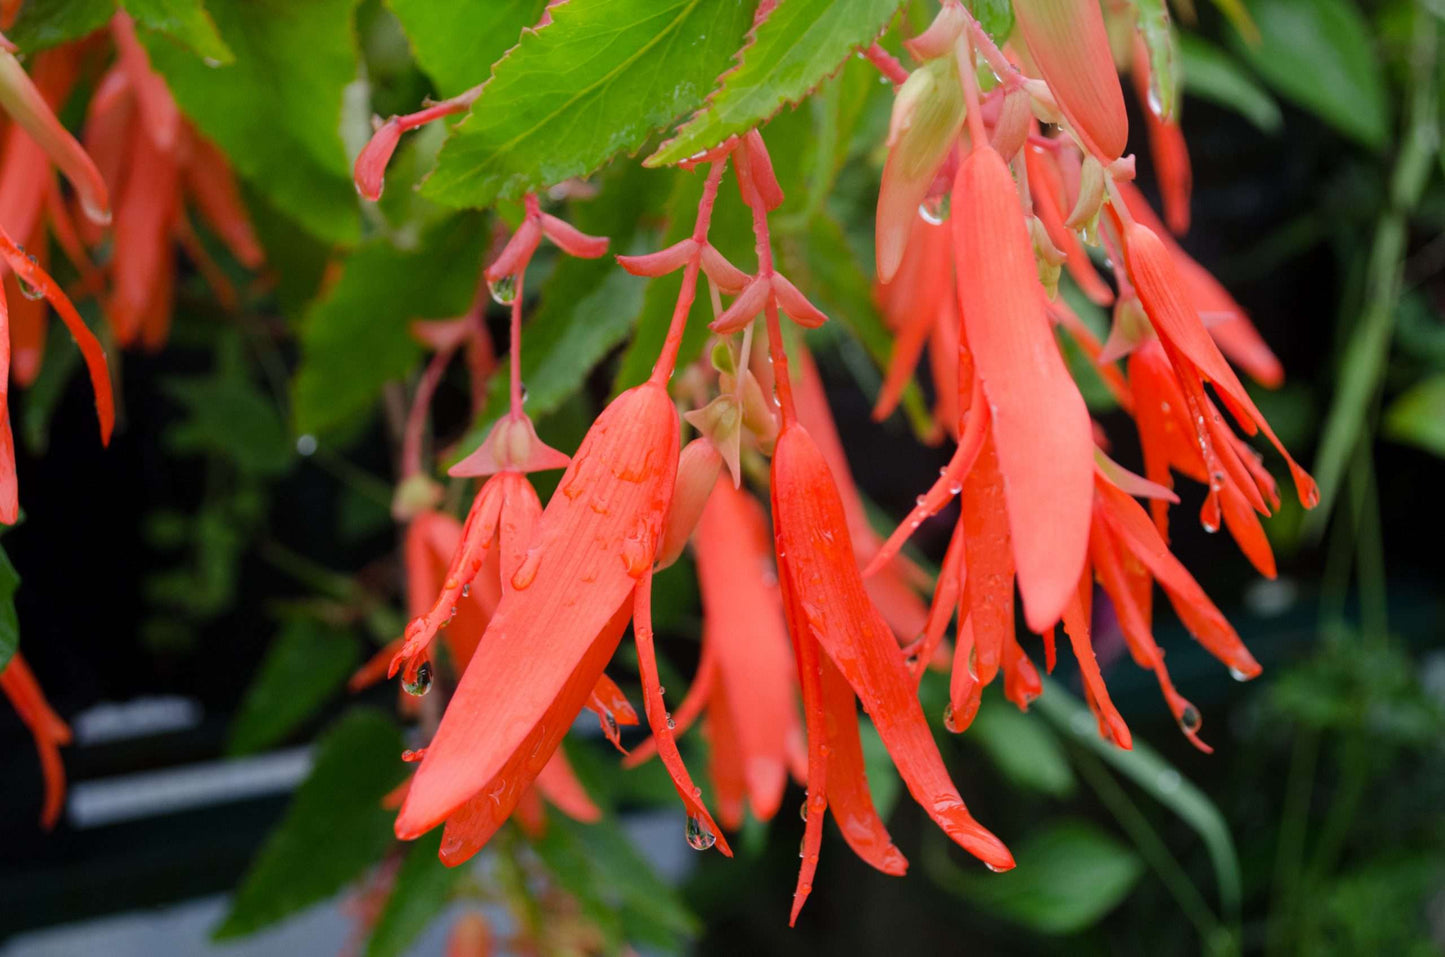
[697, 473]
[927, 116]
[1131, 330]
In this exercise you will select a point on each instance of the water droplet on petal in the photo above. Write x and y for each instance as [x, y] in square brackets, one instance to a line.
[996, 869]
[935, 209]
[466, 589]
[949, 720]
[1189, 719]
[1238, 675]
[699, 836]
[671, 724]
[503, 290]
[527, 571]
[421, 683]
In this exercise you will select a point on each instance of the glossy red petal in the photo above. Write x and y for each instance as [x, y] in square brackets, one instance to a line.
[1069, 43]
[582, 573]
[817, 556]
[1040, 425]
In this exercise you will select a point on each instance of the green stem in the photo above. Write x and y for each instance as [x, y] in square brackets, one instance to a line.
[1289, 855]
[1216, 937]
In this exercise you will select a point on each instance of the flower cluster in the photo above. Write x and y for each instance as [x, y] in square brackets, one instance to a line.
[1004, 166]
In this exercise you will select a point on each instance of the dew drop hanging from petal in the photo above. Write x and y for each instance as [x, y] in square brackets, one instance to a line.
[503, 290]
[421, 683]
[699, 836]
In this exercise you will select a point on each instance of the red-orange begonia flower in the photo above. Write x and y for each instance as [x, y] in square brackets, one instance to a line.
[49, 732]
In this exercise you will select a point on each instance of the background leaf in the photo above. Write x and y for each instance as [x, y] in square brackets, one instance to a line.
[43, 25]
[598, 81]
[800, 44]
[1159, 779]
[1418, 416]
[9, 621]
[421, 889]
[334, 829]
[1318, 54]
[1213, 75]
[276, 111]
[186, 22]
[356, 339]
[1068, 876]
[306, 665]
[457, 60]
[1023, 748]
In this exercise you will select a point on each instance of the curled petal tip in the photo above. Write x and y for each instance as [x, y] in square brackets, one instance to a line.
[370, 169]
[572, 240]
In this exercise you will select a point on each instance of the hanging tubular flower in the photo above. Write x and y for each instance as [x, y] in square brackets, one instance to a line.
[745, 681]
[1166, 145]
[26, 105]
[49, 732]
[554, 630]
[921, 308]
[1068, 41]
[1225, 319]
[1127, 555]
[1040, 427]
[828, 608]
[892, 589]
[155, 163]
[1196, 358]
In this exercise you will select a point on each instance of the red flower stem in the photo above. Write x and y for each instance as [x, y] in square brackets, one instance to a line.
[534, 211]
[886, 63]
[1008, 75]
[973, 109]
[782, 381]
[457, 104]
[667, 358]
[515, 347]
[426, 387]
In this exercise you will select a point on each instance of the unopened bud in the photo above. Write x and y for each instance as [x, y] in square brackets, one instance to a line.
[721, 423]
[927, 116]
[758, 415]
[1047, 256]
[1011, 130]
[938, 40]
[416, 494]
[1131, 329]
[1091, 194]
[697, 473]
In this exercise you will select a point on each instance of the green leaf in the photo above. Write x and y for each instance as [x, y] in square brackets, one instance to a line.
[614, 885]
[601, 79]
[1418, 416]
[41, 25]
[1318, 53]
[307, 663]
[186, 22]
[824, 265]
[228, 416]
[457, 60]
[422, 888]
[1068, 876]
[9, 621]
[801, 43]
[1158, 778]
[995, 16]
[276, 111]
[356, 339]
[1152, 19]
[1024, 749]
[884, 785]
[334, 829]
[1213, 75]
